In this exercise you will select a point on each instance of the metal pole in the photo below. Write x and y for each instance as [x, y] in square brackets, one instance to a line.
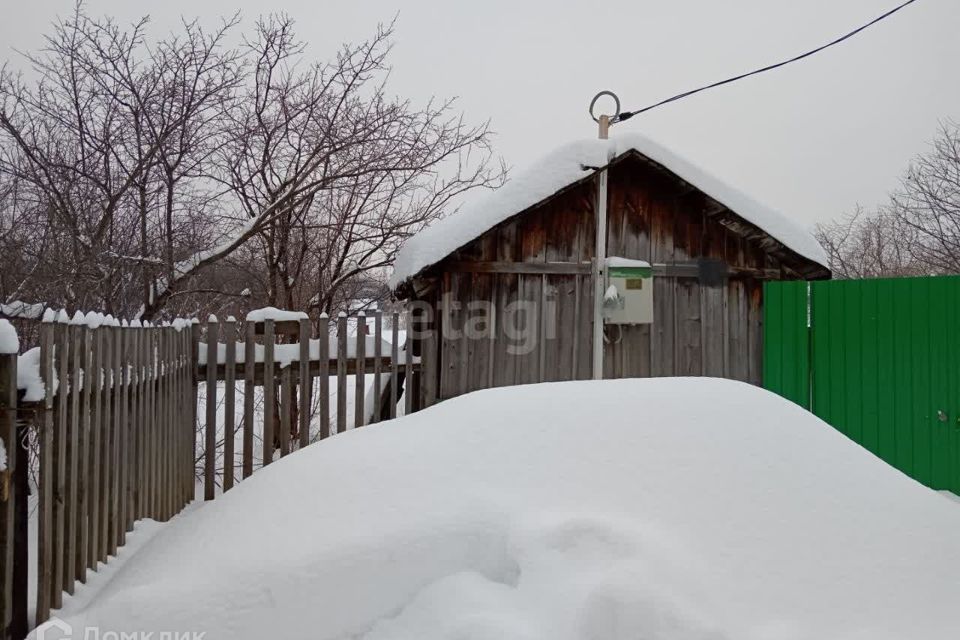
[600, 253]
[599, 268]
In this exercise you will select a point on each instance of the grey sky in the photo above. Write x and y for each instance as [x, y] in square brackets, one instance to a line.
[813, 139]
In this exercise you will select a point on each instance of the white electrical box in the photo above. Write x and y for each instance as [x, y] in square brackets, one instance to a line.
[628, 297]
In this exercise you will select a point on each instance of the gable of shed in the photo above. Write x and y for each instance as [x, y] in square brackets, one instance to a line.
[651, 216]
[570, 167]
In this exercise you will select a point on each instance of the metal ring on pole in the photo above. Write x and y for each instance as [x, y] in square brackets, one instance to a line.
[593, 103]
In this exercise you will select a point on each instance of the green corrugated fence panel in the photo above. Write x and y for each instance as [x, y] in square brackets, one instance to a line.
[786, 361]
[879, 360]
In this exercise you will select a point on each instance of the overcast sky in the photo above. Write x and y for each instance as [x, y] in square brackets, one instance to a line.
[812, 140]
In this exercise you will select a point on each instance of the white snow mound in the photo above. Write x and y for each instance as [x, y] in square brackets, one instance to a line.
[272, 313]
[662, 509]
[569, 164]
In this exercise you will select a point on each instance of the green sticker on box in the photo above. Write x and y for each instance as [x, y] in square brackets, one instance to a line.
[630, 272]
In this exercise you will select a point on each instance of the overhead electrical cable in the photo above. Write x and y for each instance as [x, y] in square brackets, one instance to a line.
[626, 115]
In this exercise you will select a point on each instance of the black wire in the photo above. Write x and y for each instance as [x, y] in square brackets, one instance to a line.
[626, 115]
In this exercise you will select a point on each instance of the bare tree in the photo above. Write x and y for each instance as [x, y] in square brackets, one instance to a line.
[329, 171]
[101, 141]
[917, 232]
[149, 177]
[927, 205]
[864, 245]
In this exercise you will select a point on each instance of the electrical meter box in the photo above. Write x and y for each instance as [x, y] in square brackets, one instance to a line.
[628, 297]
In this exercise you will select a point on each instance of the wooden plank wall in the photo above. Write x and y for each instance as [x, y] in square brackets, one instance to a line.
[697, 329]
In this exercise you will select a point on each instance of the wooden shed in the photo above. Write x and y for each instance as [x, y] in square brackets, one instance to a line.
[504, 286]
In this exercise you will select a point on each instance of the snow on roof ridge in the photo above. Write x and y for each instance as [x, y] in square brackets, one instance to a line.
[569, 164]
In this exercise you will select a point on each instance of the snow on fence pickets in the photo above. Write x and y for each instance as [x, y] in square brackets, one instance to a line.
[117, 424]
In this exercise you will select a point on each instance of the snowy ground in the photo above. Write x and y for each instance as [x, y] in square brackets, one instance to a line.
[662, 509]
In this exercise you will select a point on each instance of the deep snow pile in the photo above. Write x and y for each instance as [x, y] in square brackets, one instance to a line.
[571, 163]
[664, 509]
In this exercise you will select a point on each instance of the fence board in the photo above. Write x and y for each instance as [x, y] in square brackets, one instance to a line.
[162, 423]
[120, 355]
[377, 365]
[229, 402]
[323, 334]
[394, 366]
[141, 394]
[168, 416]
[8, 501]
[185, 428]
[163, 411]
[123, 432]
[408, 366]
[45, 478]
[250, 346]
[210, 434]
[269, 392]
[71, 495]
[156, 389]
[305, 385]
[360, 377]
[105, 444]
[96, 425]
[83, 488]
[60, 457]
[341, 373]
[151, 425]
[285, 405]
[135, 415]
[183, 394]
[168, 430]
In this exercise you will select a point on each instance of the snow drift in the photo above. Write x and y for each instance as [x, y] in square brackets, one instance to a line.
[680, 509]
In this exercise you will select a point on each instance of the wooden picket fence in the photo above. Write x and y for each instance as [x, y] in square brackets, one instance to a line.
[119, 437]
[12, 611]
[291, 375]
[115, 443]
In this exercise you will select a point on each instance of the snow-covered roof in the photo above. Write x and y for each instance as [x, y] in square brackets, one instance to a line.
[572, 163]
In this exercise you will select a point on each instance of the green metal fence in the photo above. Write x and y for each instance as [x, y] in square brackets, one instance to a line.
[877, 359]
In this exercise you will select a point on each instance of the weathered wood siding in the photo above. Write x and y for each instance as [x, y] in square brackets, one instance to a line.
[697, 329]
